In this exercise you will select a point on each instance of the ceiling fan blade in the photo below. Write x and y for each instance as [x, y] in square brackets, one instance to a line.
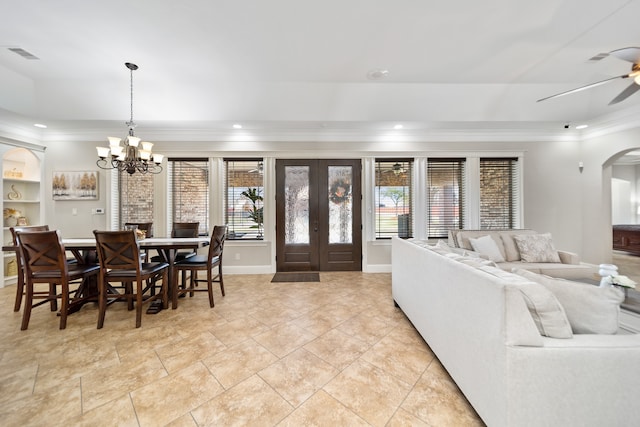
[630, 90]
[589, 86]
[631, 54]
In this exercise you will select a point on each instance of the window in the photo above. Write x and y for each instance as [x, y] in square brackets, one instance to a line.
[244, 198]
[445, 198]
[499, 195]
[188, 182]
[135, 196]
[393, 198]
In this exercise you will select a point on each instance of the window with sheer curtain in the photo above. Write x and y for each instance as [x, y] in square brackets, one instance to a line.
[244, 197]
[188, 183]
[499, 195]
[445, 198]
[393, 198]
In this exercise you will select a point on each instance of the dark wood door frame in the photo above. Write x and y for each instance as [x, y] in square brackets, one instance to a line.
[319, 254]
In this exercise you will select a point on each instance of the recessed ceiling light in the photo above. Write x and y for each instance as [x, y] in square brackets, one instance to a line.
[377, 74]
[237, 126]
[582, 126]
[398, 127]
[40, 125]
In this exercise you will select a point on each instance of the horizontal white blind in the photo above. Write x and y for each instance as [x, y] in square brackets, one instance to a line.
[498, 193]
[189, 191]
[243, 219]
[446, 196]
[394, 198]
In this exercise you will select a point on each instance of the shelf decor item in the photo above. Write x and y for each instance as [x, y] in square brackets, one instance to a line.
[14, 194]
[12, 215]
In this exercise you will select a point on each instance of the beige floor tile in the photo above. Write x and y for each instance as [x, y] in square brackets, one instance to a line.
[180, 354]
[110, 382]
[406, 362]
[322, 410]
[252, 402]
[171, 397]
[239, 362]
[298, 375]
[436, 400]
[54, 407]
[368, 391]
[337, 348]
[283, 339]
[120, 413]
[332, 353]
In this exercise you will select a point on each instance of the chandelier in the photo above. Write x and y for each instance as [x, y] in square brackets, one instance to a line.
[134, 156]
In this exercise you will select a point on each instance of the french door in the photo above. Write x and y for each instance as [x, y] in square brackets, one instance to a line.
[318, 215]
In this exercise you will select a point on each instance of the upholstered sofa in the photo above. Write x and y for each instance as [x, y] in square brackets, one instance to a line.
[566, 264]
[483, 324]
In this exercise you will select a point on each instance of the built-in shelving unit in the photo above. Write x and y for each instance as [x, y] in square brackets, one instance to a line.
[21, 199]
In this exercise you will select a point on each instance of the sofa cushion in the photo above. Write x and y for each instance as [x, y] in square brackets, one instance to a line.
[486, 245]
[545, 309]
[590, 309]
[511, 251]
[463, 236]
[536, 248]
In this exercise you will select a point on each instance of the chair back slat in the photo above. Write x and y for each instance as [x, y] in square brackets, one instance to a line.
[217, 241]
[118, 250]
[185, 229]
[42, 251]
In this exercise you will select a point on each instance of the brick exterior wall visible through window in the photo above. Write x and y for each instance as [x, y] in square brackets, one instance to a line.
[136, 198]
[189, 183]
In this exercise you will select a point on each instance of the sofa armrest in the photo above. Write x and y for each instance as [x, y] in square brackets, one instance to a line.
[569, 257]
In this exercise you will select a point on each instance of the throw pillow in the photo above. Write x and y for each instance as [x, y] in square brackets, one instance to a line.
[536, 248]
[590, 309]
[511, 252]
[545, 309]
[485, 245]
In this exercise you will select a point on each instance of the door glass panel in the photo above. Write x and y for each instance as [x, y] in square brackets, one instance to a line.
[340, 204]
[296, 204]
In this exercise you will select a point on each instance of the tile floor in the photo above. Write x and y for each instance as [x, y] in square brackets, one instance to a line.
[334, 353]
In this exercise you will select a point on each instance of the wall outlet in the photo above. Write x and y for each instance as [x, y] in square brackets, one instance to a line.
[237, 256]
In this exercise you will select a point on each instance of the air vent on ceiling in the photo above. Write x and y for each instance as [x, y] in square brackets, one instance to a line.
[20, 51]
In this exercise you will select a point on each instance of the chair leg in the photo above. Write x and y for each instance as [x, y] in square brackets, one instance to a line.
[139, 288]
[165, 289]
[28, 304]
[174, 291]
[52, 296]
[210, 286]
[102, 301]
[221, 280]
[64, 309]
[19, 291]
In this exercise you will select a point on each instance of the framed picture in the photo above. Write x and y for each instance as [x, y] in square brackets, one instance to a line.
[72, 185]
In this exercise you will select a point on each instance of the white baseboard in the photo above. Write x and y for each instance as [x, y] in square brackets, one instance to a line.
[248, 269]
[376, 268]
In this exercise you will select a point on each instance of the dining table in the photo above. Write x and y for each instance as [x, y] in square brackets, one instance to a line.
[83, 250]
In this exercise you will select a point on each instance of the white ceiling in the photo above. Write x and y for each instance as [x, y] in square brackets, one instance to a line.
[303, 64]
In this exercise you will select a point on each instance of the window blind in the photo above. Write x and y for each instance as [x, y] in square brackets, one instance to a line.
[499, 195]
[188, 181]
[445, 198]
[394, 198]
[244, 219]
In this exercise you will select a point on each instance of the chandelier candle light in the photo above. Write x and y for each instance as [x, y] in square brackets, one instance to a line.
[129, 157]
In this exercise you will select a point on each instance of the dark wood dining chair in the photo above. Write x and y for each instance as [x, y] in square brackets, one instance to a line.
[45, 261]
[20, 263]
[119, 257]
[197, 263]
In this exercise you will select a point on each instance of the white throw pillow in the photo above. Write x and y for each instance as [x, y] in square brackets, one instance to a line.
[536, 248]
[485, 245]
[546, 311]
[590, 309]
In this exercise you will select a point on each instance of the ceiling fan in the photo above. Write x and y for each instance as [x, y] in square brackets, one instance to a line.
[259, 169]
[631, 54]
[397, 169]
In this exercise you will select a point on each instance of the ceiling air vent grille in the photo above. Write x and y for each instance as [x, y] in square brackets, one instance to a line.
[20, 51]
[599, 57]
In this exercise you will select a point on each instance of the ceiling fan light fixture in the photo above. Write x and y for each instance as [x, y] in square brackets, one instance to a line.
[636, 79]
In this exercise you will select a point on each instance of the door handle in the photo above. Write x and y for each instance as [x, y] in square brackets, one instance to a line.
[315, 226]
